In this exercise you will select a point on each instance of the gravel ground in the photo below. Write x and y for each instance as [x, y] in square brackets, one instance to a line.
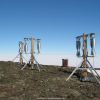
[49, 84]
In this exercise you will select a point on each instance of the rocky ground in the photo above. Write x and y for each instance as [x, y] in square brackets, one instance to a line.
[27, 84]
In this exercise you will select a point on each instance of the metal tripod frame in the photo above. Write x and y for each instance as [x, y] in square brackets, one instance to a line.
[32, 65]
[18, 56]
[90, 67]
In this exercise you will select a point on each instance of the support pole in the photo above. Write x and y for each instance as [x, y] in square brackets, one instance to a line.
[84, 50]
[21, 52]
[21, 59]
[32, 51]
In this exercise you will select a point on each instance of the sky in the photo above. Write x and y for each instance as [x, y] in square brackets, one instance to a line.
[55, 22]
